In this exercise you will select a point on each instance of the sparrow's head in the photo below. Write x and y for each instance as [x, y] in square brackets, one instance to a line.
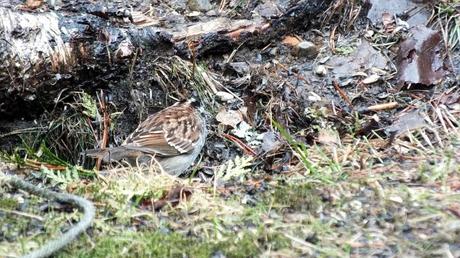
[196, 104]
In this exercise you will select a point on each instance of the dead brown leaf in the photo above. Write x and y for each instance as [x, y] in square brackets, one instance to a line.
[229, 117]
[173, 197]
[329, 137]
[291, 41]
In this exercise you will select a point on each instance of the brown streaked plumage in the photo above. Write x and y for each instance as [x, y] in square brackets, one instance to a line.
[174, 136]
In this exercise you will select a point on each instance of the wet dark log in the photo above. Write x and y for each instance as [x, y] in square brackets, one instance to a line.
[44, 53]
[253, 33]
[87, 45]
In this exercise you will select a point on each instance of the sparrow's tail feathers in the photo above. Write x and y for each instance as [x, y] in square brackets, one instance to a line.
[109, 154]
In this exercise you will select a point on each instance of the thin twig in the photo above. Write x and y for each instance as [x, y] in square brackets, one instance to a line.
[105, 127]
[23, 214]
[247, 150]
[381, 107]
[342, 94]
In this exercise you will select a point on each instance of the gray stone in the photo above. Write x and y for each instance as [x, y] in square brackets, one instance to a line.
[321, 70]
[306, 49]
[199, 5]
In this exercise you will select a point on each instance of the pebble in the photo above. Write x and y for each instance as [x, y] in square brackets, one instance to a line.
[306, 49]
[321, 70]
[224, 96]
[396, 199]
[199, 5]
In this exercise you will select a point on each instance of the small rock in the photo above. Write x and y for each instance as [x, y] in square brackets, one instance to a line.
[199, 5]
[396, 199]
[178, 5]
[306, 49]
[313, 97]
[124, 50]
[321, 70]
[267, 10]
[423, 236]
[224, 96]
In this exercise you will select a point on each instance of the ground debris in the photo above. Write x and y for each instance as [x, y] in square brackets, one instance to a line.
[407, 122]
[230, 117]
[415, 12]
[419, 58]
[172, 197]
[362, 59]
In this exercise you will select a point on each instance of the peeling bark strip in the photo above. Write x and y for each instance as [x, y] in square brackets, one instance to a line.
[80, 45]
[222, 34]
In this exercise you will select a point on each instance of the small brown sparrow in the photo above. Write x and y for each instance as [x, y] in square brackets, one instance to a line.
[173, 136]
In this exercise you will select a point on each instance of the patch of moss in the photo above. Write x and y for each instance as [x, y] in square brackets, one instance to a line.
[8, 203]
[277, 241]
[300, 197]
[157, 244]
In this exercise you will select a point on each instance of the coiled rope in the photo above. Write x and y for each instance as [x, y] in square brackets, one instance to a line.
[56, 244]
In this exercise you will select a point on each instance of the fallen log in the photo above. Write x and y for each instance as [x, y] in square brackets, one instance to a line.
[83, 45]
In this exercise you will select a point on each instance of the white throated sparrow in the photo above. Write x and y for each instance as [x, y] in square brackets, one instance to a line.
[173, 136]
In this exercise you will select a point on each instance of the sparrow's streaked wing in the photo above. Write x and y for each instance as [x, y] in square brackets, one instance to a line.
[172, 131]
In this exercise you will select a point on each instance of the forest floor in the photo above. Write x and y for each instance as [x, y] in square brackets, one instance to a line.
[347, 149]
